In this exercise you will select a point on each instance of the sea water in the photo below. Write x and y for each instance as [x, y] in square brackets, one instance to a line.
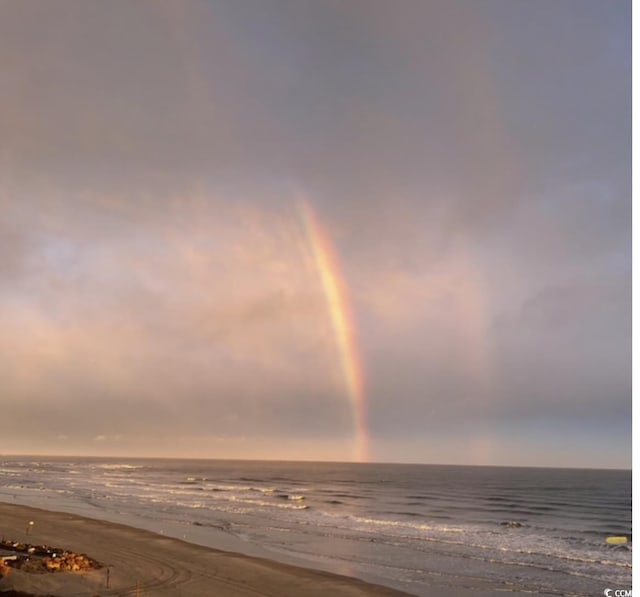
[420, 528]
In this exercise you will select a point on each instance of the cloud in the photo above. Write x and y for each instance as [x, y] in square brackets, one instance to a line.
[211, 317]
[208, 316]
[154, 274]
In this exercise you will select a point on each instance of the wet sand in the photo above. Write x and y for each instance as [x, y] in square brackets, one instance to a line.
[146, 564]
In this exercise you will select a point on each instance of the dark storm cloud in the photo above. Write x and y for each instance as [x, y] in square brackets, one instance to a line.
[471, 163]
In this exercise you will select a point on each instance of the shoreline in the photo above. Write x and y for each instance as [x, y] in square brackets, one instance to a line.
[148, 563]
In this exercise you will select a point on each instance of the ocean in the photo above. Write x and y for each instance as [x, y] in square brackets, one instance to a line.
[424, 529]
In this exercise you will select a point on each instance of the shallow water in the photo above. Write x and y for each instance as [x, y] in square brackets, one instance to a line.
[413, 527]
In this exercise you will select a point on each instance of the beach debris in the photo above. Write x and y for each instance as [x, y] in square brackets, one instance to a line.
[616, 540]
[514, 524]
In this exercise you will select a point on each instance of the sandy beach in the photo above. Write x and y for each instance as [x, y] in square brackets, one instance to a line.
[143, 563]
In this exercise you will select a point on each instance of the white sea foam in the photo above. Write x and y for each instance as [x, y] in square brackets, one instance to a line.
[119, 466]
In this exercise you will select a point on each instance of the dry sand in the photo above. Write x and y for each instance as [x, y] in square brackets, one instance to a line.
[147, 564]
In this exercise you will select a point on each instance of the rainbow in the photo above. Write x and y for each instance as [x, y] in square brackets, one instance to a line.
[335, 292]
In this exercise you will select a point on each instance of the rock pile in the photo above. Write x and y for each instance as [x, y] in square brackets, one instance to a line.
[42, 558]
[69, 561]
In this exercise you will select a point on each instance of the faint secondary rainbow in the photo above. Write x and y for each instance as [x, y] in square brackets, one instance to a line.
[335, 292]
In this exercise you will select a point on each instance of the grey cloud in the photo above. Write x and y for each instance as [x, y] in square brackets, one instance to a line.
[470, 163]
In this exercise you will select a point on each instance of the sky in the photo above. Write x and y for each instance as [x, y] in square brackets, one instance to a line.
[326, 230]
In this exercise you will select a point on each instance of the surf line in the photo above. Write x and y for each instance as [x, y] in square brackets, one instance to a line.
[337, 298]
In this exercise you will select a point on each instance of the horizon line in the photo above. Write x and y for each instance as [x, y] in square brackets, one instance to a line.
[280, 460]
